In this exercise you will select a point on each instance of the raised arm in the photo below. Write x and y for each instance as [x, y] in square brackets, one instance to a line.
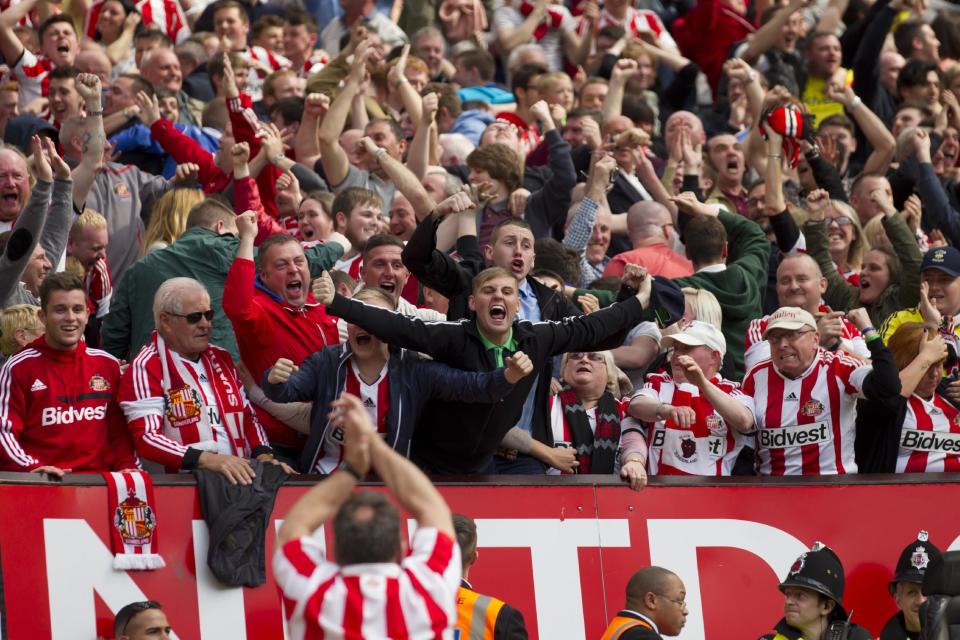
[551, 201]
[937, 212]
[769, 34]
[870, 125]
[336, 165]
[933, 351]
[10, 45]
[613, 101]
[418, 154]
[405, 181]
[306, 144]
[323, 501]
[394, 328]
[26, 233]
[581, 226]
[408, 95]
[509, 38]
[88, 86]
[432, 267]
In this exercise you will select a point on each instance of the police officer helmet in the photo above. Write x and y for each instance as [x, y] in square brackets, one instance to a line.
[914, 560]
[820, 570]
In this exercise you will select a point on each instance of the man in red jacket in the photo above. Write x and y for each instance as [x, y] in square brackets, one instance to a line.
[273, 313]
[58, 399]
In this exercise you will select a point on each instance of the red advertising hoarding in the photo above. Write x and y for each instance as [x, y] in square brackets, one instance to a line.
[561, 552]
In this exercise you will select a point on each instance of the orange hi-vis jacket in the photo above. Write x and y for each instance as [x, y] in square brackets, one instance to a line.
[620, 625]
[476, 615]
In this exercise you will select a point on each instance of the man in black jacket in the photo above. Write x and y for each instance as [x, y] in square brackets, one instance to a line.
[454, 438]
[511, 247]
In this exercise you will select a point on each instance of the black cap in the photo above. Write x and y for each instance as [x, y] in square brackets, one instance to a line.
[946, 259]
[916, 557]
[819, 570]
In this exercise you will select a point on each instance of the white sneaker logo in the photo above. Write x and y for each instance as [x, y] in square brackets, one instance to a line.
[37, 385]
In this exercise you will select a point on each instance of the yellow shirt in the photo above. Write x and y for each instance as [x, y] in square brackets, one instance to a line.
[816, 100]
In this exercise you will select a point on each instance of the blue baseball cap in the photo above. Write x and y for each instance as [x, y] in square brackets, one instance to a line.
[946, 259]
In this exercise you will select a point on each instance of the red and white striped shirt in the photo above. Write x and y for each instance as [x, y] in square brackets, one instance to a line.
[164, 15]
[376, 400]
[709, 447]
[350, 266]
[636, 23]
[315, 63]
[929, 437]
[411, 600]
[33, 77]
[99, 286]
[757, 349]
[807, 426]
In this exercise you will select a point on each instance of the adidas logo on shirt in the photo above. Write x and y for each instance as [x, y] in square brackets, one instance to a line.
[791, 397]
[37, 385]
[368, 402]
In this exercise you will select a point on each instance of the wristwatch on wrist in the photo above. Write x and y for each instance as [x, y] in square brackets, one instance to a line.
[275, 160]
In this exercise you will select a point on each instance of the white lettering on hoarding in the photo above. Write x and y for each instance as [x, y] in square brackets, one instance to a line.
[220, 607]
[553, 545]
[78, 563]
[674, 544]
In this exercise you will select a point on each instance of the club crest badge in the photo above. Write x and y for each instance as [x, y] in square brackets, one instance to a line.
[134, 520]
[812, 408]
[99, 383]
[182, 406]
[797, 565]
[716, 426]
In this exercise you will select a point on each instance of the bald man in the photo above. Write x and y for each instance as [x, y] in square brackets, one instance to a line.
[653, 236]
[655, 607]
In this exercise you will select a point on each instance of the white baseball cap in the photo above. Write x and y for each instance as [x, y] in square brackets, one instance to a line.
[790, 319]
[699, 334]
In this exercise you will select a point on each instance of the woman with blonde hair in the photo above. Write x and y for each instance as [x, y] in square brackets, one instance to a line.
[19, 326]
[846, 241]
[168, 219]
[916, 431]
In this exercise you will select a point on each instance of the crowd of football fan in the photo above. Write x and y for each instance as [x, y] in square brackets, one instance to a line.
[703, 238]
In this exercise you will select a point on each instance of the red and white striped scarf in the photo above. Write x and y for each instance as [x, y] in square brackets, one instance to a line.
[790, 123]
[180, 388]
[133, 521]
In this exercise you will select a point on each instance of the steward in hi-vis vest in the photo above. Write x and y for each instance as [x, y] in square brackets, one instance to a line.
[655, 605]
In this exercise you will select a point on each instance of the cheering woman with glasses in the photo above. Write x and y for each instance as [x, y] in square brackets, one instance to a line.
[587, 418]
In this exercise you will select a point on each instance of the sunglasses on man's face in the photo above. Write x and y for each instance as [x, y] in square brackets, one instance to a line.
[194, 318]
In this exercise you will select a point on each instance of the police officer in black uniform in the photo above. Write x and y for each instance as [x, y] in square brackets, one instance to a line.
[905, 589]
[813, 592]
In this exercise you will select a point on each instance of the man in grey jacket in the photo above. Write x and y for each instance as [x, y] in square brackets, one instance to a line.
[40, 233]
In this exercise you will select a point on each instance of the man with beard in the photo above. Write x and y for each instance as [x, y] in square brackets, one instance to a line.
[183, 399]
[58, 408]
[273, 314]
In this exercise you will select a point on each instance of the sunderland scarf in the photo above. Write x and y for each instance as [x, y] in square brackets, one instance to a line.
[183, 407]
[596, 452]
[133, 521]
[552, 20]
[793, 125]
